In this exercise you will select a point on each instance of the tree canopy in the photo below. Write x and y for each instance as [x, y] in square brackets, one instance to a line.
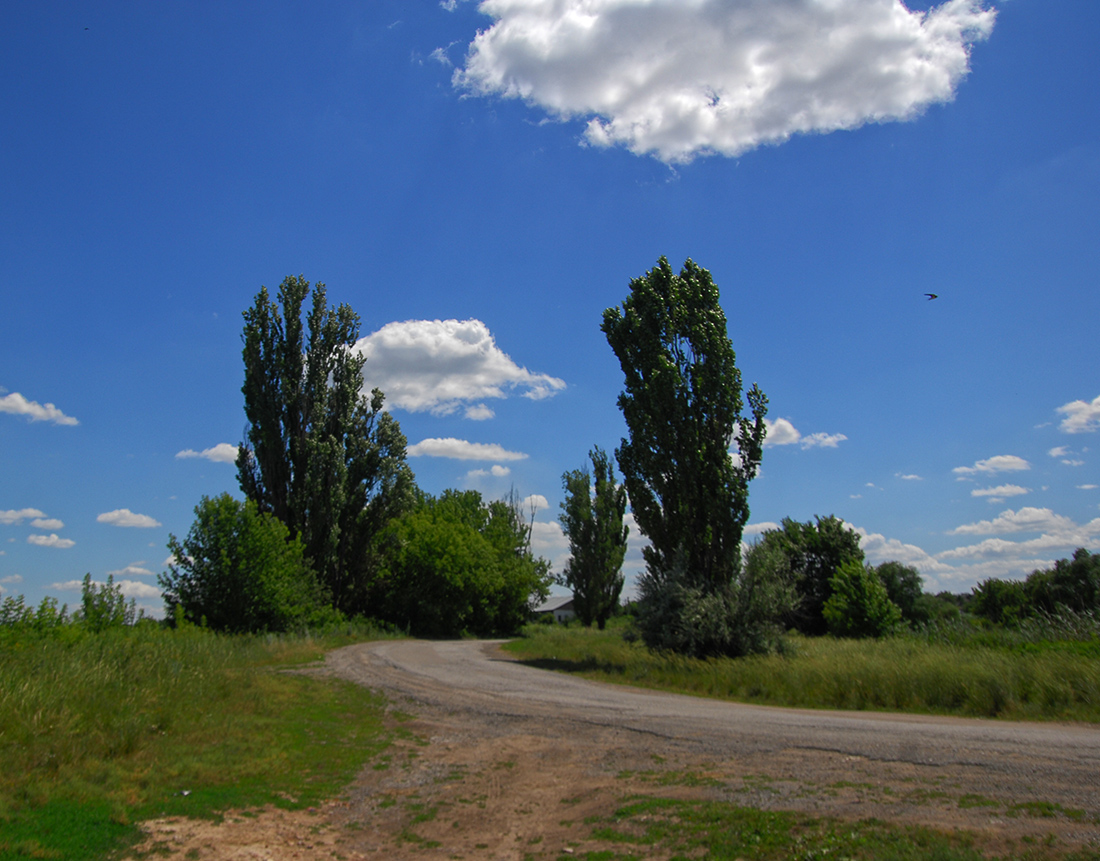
[321, 456]
[682, 403]
[592, 520]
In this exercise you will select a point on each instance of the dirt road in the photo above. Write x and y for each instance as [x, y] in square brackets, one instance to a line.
[505, 761]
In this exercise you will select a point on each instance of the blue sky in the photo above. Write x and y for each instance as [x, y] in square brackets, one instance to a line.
[479, 181]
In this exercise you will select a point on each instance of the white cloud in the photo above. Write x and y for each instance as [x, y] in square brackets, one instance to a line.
[125, 517]
[782, 432]
[822, 440]
[18, 405]
[877, 548]
[1000, 463]
[1059, 451]
[1069, 462]
[137, 589]
[1001, 493]
[134, 570]
[223, 452]
[535, 502]
[759, 528]
[1080, 416]
[497, 471]
[51, 540]
[460, 449]
[1087, 486]
[1024, 520]
[680, 79]
[47, 523]
[439, 365]
[68, 585]
[908, 477]
[11, 517]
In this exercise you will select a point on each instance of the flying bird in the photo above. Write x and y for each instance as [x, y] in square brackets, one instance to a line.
[932, 296]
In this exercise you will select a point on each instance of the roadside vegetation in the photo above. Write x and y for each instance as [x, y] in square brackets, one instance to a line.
[1048, 669]
[107, 723]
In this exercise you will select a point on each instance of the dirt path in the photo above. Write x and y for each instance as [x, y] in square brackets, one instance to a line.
[504, 761]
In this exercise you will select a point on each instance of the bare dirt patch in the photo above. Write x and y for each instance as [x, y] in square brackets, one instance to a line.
[474, 775]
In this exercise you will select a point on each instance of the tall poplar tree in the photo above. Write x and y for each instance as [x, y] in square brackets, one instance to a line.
[682, 404]
[592, 519]
[319, 454]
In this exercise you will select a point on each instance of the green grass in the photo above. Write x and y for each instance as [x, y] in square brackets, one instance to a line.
[974, 677]
[98, 732]
[643, 827]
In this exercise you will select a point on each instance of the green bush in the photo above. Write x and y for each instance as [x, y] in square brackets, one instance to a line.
[859, 605]
[238, 570]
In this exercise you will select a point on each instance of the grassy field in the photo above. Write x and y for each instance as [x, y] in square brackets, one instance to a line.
[1012, 674]
[100, 731]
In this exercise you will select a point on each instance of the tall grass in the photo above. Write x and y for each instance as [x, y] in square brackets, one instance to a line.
[1020, 677]
[137, 721]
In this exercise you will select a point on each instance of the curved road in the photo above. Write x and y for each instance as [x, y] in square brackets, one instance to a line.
[1055, 763]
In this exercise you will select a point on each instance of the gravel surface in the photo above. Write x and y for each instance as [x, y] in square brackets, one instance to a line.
[500, 760]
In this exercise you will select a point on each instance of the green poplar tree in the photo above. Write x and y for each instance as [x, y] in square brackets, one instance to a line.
[319, 454]
[593, 522]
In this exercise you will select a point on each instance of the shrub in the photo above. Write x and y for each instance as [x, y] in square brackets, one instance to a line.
[859, 605]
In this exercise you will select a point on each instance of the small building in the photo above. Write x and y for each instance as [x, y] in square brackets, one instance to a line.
[561, 608]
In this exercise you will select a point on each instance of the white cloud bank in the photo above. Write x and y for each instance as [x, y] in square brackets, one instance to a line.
[681, 78]
[223, 452]
[125, 517]
[782, 432]
[460, 449]
[51, 540]
[16, 404]
[1080, 416]
[440, 366]
[1000, 463]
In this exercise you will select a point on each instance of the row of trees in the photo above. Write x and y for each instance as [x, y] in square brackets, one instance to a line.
[332, 523]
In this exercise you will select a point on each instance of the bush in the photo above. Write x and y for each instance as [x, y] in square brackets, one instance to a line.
[238, 570]
[859, 605]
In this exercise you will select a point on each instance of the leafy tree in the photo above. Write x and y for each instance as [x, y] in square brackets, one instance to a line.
[903, 585]
[859, 605]
[1003, 602]
[813, 551]
[1075, 583]
[102, 606]
[593, 522]
[682, 405]
[239, 570]
[455, 564]
[319, 455]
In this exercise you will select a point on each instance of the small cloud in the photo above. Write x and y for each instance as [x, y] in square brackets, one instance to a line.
[500, 471]
[1080, 416]
[1069, 462]
[47, 523]
[11, 580]
[479, 413]
[13, 517]
[69, 585]
[18, 405]
[125, 517]
[855, 496]
[131, 571]
[780, 432]
[223, 452]
[1087, 486]
[908, 477]
[534, 502]
[759, 528]
[137, 589]
[822, 440]
[1001, 493]
[1000, 463]
[1024, 520]
[51, 540]
[460, 449]
[1059, 451]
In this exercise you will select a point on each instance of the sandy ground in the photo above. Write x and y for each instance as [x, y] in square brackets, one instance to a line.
[501, 761]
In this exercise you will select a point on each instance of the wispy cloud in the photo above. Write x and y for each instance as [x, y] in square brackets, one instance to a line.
[125, 517]
[1000, 493]
[1000, 463]
[679, 79]
[460, 449]
[223, 452]
[440, 365]
[11, 517]
[497, 471]
[18, 405]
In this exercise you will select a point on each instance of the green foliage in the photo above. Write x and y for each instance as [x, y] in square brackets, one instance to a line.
[903, 585]
[811, 553]
[102, 606]
[597, 539]
[319, 455]
[1003, 602]
[976, 672]
[859, 605]
[238, 570]
[682, 405]
[456, 565]
[1071, 585]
